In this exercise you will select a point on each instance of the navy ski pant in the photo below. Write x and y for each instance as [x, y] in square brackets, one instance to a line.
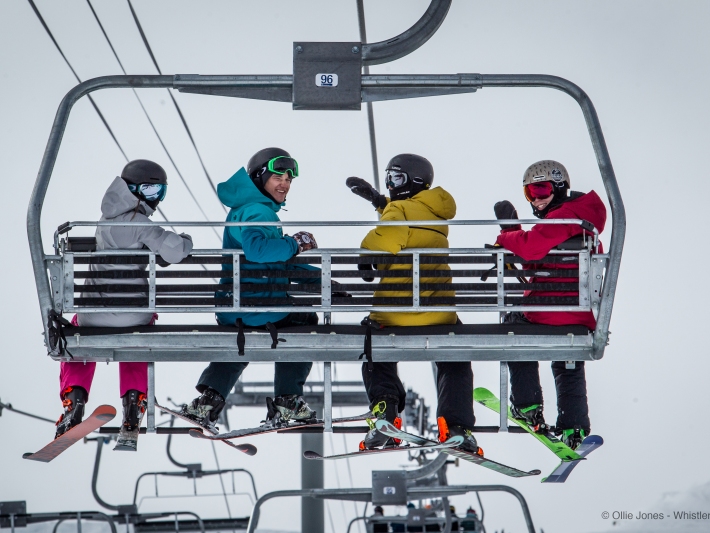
[571, 386]
[454, 385]
[288, 377]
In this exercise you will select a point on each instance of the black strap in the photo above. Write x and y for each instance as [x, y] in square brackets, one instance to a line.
[367, 350]
[274, 335]
[241, 340]
[57, 337]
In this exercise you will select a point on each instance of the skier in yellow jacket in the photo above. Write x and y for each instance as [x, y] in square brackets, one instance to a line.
[409, 181]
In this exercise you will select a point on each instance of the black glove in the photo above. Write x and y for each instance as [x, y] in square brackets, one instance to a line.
[337, 291]
[363, 189]
[506, 210]
[362, 267]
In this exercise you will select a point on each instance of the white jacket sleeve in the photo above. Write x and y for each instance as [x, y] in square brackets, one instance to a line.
[169, 245]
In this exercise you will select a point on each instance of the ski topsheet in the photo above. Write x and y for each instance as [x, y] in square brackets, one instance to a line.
[391, 431]
[453, 441]
[269, 428]
[101, 415]
[560, 474]
[248, 449]
[555, 445]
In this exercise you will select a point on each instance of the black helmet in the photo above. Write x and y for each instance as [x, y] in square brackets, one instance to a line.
[419, 175]
[144, 171]
[256, 167]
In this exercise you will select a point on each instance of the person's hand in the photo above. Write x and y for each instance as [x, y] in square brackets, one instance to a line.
[305, 240]
[506, 211]
[363, 189]
[366, 267]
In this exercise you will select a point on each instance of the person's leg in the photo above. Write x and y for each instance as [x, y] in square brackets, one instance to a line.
[572, 407]
[74, 386]
[526, 393]
[382, 383]
[221, 377]
[290, 377]
[454, 383]
[133, 376]
[76, 374]
[525, 386]
[383, 386]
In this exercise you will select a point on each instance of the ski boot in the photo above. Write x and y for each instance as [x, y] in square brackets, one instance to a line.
[205, 409]
[532, 416]
[287, 408]
[469, 443]
[375, 439]
[573, 437]
[134, 405]
[74, 400]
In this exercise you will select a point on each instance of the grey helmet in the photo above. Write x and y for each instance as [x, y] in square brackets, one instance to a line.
[553, 172]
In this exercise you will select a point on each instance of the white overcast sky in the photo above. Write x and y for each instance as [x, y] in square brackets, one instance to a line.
[643, 63]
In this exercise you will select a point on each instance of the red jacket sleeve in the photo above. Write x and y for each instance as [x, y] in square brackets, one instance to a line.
[536, 243]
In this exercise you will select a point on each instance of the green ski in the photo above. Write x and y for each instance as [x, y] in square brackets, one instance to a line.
[555, 445]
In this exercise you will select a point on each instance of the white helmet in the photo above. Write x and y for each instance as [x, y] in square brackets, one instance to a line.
[547, 170]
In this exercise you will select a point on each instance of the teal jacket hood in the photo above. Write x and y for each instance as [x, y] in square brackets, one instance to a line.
[239, 190]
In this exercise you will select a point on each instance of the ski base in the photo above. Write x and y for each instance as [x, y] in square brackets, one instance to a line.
[391, 431]
[101, 415]
[552, 443]
[453, 441]
[562, 472]
[248, 449]
[127, 440]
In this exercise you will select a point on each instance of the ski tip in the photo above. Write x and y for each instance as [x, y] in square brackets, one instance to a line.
[106, 417]
[248, 449]
[534, 472]
[480, 393]
[594, 439]
[308, 454]
[27, 455]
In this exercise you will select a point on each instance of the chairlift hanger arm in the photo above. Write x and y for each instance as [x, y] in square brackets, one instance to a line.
[408, 41]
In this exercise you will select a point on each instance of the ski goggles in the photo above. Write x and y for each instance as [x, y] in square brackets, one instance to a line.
[149, 191]
[282, 164]
[538, 191]
[395, 178]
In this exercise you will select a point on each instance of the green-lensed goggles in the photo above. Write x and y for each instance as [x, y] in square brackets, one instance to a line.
[282, 164]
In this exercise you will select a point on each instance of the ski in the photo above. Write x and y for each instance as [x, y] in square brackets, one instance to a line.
[127, 441]
[388, 429]
[552, 443]
[560, 474]
[248, 449]
[101, 415]
[284, 426]
[453, 441]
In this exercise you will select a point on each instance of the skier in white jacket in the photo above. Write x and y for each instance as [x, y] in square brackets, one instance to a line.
[132, 197]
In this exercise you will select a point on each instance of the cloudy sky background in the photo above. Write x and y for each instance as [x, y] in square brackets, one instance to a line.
[645, 67]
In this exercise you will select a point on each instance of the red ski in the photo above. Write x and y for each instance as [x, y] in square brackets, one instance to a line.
[101, 415]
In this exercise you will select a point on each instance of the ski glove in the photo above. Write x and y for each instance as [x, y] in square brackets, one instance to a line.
[506, 210]
[305, 240]
[366, 267]
[363, 189]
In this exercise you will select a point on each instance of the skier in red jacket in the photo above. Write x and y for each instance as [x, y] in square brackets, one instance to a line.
[546, 186]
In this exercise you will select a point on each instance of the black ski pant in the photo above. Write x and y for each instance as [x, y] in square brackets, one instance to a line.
[454, 388]
[571, 386]
[288, 377]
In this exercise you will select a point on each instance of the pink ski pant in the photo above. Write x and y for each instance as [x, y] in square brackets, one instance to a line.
[131, 375]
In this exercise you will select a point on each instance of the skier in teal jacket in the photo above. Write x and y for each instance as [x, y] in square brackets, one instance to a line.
[256, 194]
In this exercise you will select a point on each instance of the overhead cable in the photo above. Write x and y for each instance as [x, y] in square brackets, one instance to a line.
[103, 119]
[177, 107]
[140, 102]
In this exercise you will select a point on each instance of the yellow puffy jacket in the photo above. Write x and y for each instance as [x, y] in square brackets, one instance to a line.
[431, 204]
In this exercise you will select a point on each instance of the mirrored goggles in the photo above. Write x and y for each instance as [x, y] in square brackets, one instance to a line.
[282, 164]
[395, 178]
[535, 191]
[149, 191]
